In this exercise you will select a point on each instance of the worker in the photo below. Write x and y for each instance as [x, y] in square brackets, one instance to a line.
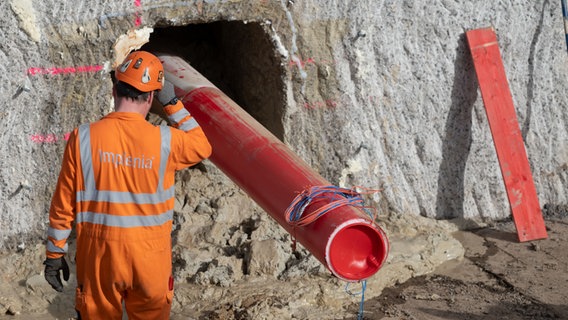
[116, 186]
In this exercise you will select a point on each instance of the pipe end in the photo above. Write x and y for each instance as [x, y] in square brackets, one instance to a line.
[357, 251]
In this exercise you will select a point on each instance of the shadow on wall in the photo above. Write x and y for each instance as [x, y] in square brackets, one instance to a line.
[457, 141]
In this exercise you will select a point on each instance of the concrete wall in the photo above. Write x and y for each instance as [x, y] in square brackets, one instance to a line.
[376, 93]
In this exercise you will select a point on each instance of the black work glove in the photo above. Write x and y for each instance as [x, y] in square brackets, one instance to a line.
[52, 268]
[167, 94]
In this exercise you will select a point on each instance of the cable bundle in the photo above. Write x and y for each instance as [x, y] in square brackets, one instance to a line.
[335, 196]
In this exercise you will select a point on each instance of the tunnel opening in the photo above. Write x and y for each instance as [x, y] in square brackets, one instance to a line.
[237, 57]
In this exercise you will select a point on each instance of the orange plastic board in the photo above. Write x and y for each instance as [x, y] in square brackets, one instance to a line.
[506, 134]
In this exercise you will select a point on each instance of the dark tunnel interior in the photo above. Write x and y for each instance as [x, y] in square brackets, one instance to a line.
[239, 58]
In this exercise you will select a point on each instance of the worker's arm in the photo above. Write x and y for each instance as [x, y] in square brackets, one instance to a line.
[62, 210]
[61, 217]
[189, 144]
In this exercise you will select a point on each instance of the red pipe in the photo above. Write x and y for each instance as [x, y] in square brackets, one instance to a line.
[345, 240]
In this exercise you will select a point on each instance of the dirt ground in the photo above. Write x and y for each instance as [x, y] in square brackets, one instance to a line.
[498, 278]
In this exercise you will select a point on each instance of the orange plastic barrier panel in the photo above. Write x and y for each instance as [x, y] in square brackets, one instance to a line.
[506, 133]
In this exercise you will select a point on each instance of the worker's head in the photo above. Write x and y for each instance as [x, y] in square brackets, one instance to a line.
[140, 74]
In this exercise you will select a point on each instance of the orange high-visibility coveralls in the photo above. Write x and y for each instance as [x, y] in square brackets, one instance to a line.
[117, 185]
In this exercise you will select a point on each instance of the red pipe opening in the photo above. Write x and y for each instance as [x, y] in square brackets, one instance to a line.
[355, 249]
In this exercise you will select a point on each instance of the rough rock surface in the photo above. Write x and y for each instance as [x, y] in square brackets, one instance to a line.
[374, 93]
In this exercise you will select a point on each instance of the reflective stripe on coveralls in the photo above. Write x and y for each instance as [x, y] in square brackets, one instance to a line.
[92, 194]
[177, 117]
[188, 125]
[57, 235]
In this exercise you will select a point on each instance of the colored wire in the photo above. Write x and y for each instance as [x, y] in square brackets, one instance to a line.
[334, 196]
[362, 293]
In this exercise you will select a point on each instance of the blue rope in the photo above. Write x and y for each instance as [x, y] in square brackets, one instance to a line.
[362, 293]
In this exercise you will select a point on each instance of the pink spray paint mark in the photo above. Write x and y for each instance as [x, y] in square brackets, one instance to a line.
[302, 62]
[48, 138]
[40, 138]
[138, 16]
[66, 70]
[329, 104]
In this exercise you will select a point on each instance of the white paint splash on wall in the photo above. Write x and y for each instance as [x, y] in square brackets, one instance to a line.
[24, 9]
[294, 48]
[132, 40]
[277, 41]
[353, 166]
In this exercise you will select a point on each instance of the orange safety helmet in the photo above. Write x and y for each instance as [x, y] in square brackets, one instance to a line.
[142, 70]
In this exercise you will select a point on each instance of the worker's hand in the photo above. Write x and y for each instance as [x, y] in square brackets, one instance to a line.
[167, 94]
[52, 275]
